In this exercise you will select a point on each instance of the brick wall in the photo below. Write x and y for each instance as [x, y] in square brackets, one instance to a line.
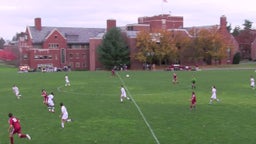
[93, 60]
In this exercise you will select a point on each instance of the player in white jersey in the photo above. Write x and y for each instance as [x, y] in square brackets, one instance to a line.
[214, 95]
[67, 82]
[16, 91]
[123, 94]
[50, 102]
[64, 115]
[252, 84]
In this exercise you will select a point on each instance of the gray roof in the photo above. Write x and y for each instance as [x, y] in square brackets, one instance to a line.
[73, 35]
[201, 27]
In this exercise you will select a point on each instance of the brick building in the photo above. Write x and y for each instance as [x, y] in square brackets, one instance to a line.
[43, 46]
[253, 48]
[175, 24]
[232, 45]
[247, 46]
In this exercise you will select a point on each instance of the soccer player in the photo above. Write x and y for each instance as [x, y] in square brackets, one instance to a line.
[123, 94]
[50, 102]
[113, 73]
[64, 115]
[15, 127]
[193, 82]
[174, 78]
[252, 82]
[214, 95]
[16, 91]
[193, 101]
[44, 95]
[67, 82]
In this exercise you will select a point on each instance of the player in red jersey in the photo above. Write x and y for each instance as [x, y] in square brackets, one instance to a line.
[45, 96]
[174, 78]
[193, 101]
[113, 72]
[14, 127]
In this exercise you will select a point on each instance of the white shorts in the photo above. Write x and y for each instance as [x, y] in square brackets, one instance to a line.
[214, 96]
[17, 93]
[123, 96]
[51, 103]
[64, 116]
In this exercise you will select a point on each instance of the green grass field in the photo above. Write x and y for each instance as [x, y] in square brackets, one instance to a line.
[158, 114]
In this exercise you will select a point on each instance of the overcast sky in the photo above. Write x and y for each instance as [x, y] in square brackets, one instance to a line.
[15, 15]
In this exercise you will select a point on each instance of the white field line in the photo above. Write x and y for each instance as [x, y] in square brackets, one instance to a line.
[138, 108]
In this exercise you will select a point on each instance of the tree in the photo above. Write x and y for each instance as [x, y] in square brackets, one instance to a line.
[2, 42]
[146, 47]
[178, 44]
[166, 49]
[175, 47]
[191, 50]
[236, 31]
[16, 37]
[210, 45]
[113, 50]
[229, 28]
[247, 24]
[157, 47]
[237, 57]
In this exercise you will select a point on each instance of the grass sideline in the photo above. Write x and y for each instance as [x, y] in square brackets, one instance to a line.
[99, 117]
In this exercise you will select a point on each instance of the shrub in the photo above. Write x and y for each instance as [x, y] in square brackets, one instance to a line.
[237, 58]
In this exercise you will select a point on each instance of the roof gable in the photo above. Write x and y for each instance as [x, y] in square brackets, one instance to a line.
[52, 32]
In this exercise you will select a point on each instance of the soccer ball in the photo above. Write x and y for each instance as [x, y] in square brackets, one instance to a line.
[127, 76]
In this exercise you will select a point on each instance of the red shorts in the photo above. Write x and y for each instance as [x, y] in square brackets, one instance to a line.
[18, 130]
[45, 98]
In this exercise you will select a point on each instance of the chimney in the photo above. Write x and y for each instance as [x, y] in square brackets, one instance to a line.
[111, 23]
[223, 22]
[38, 24]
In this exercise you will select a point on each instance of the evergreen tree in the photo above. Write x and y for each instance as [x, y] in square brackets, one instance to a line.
[2, 42]
[229, 28]
[236, 31]
[113, 50]
[247, 24]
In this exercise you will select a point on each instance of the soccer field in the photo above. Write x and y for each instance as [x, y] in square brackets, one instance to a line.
[157, 114]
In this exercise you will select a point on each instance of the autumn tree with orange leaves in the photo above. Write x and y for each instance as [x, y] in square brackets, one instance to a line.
[166, 47]
[157, 47]
[146, 47]
[166, 50]
[210, 45]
